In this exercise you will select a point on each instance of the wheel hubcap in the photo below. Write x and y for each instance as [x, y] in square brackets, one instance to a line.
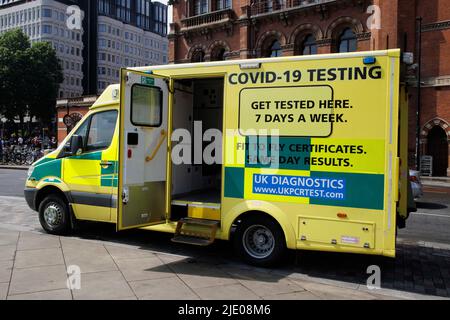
[258, 241]
[53, 214]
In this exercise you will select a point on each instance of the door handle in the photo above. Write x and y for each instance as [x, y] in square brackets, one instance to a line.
[106, 163]
[161, 140]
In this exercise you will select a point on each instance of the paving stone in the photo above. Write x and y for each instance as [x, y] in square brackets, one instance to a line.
[5, 270]
[89, 257]
[7, 252]
[162, 289]
[265, 284]
[200, 275]
[143, 268]
[8, 238]
[3, 290]
[328, 292]
[29, 240]
[118, 252]
[38, 279]
[302, 295]
[38, 257]
[102, 286]
[61, 294]
[225, 292]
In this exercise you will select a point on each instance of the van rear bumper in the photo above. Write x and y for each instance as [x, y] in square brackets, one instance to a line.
[30, 197]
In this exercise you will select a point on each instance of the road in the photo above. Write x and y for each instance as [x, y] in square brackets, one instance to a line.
[431, 222]
[12, 182]
[422, 264]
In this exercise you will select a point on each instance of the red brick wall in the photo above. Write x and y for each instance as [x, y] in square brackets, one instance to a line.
[62, 129]
[398, 30]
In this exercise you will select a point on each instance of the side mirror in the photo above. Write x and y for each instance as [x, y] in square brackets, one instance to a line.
[76, 144]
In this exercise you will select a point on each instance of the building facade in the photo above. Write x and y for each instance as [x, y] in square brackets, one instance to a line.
[211, 30]
[130, 33]
[45, 20]
[111, 34]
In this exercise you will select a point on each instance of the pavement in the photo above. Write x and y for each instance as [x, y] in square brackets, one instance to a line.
[38, 266]
[139, 264]
[435, 181]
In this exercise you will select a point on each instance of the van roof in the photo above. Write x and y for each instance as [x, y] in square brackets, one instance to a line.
[390, 52]
[109, 97]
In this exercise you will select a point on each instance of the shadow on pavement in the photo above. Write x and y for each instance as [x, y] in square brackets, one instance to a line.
[430, 205]
[416, 269]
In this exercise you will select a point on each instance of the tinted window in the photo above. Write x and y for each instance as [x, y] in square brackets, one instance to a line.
[101, 130]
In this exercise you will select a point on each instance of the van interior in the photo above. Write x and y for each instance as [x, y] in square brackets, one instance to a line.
[196, 186]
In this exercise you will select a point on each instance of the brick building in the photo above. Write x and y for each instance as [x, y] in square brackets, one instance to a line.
[75, 109]
[210, 30]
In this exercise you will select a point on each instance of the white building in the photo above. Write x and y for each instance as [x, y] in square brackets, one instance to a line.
[124, 45]
[45, 20]
[127, 36]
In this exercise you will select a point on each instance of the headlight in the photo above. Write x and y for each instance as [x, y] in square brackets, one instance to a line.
[30, 171]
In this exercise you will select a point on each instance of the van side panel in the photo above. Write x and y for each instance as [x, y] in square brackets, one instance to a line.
[331, 177]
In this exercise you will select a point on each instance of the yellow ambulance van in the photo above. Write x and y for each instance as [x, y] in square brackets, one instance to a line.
[302, 152]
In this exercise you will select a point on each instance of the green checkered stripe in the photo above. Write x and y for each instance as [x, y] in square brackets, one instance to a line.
[52, 167]
[364, 191]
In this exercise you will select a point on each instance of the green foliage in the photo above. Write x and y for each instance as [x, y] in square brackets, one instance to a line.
[30, 76]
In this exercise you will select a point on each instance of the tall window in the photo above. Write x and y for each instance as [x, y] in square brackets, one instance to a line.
[309, 45]
[198, 56]
[218, 54]
[223, 4]
[347, 41]
[273, 49]
[200, 7]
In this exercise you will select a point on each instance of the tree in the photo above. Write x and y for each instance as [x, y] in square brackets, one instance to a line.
[30, 76]
[13, 64]
[46, 76]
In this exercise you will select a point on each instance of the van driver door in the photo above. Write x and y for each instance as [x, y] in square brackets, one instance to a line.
[143, 145]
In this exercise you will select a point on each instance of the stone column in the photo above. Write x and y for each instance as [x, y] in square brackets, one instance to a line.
[287, 50]
[244, 33]
[324, 46]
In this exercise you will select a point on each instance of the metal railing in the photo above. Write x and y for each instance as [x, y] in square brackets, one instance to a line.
[268, 6]
[207, 19]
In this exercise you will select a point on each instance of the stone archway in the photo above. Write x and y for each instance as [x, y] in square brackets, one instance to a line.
[299, 35]
[435, 139]
[197, 53]
[218, 50]
[339, 25]
[267, 38]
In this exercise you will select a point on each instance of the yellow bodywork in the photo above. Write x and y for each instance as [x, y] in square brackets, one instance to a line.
[307, 224]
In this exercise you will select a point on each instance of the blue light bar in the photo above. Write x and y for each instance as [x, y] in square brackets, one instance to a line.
[369, 60]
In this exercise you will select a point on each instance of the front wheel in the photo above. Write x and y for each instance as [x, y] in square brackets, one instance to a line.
[54, 215]
[260, 241]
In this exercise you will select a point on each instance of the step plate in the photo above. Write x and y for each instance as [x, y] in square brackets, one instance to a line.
[191, 240]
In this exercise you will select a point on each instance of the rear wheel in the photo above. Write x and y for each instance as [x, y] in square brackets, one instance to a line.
[54, 215]
[260, 241]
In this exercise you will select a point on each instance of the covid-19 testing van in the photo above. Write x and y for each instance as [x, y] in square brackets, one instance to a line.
[302, 152]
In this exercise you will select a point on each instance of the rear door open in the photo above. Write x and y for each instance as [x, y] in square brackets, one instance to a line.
[143, 156]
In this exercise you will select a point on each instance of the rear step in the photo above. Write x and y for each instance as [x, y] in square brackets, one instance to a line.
[199, 238]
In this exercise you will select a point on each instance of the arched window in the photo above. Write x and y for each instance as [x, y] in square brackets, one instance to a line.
[198, 56]
[347, 41]
[218, 54]
[273, 49]
[309, 45]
